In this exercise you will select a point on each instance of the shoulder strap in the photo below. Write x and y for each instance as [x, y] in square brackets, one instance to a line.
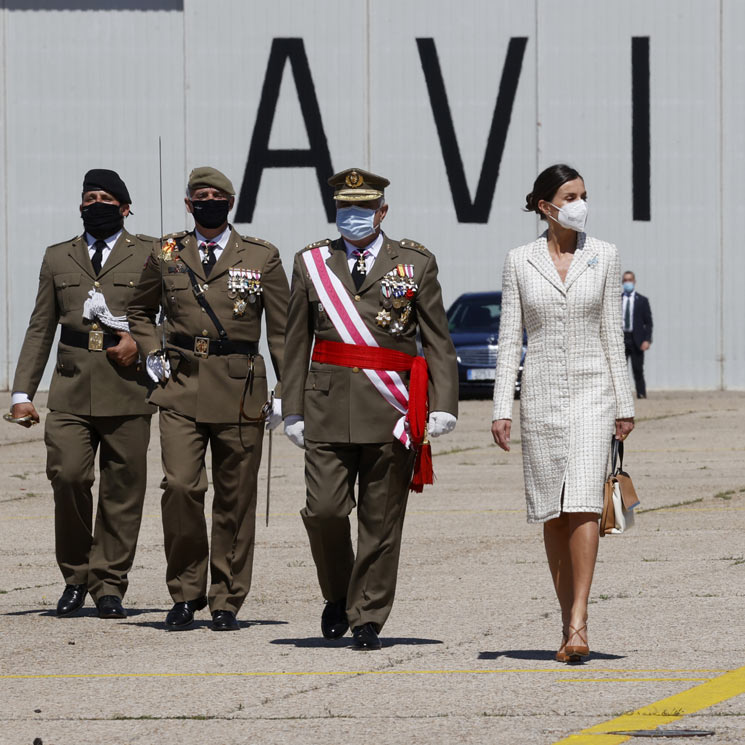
[202, 300]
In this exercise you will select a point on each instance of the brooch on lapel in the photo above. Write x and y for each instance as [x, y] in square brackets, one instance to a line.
[593, 261]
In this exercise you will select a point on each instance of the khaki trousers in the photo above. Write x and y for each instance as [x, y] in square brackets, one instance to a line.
[183, 443]
[100, 558]
[368, 580]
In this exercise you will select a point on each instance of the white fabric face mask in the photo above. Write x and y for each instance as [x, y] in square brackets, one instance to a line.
[572, 215]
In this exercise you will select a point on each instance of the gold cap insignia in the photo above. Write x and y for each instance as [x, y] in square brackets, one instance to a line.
[353, 180]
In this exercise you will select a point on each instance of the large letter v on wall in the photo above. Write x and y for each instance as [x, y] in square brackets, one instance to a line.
[476, 210]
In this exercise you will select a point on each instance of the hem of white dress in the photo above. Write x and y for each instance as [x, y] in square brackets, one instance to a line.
[544, 519]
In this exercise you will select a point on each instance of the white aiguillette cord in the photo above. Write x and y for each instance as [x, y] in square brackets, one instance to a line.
[95, 307]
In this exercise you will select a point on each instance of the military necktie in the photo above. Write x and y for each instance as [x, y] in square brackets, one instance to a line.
[359, 270]
[97, 258]
[209, 259]
[627, 314]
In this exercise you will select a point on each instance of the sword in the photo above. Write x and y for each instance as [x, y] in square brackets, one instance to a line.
[269, 466]
[160, 258]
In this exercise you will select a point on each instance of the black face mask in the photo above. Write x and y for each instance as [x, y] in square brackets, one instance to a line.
[101, 219]
[210, 213]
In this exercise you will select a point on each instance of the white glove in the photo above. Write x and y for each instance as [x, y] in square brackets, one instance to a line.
[295, 430]
[274, 417]
[158, 367]
[440, 423]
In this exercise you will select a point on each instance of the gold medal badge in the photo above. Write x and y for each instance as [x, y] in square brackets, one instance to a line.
[166, 252]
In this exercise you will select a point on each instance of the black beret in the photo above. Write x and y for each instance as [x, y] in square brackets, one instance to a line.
[106, 180]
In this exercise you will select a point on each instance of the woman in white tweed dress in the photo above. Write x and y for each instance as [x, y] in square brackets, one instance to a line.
[565, 289]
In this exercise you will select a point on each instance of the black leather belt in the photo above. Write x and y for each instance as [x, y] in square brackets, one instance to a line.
[94, 340]
[203, 346]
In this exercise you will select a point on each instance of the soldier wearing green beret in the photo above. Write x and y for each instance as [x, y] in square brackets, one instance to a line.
[358, 404]
[96, 398]
[211, 390]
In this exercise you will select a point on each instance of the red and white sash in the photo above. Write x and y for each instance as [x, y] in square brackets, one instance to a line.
[348, 323]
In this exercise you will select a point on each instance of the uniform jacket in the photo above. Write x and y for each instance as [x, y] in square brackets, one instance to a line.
[84, 382]
[341, 404]
[642, 321]
[210, 389]
[575, 383]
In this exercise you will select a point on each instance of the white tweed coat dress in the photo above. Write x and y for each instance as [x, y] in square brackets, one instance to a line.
[575, 382]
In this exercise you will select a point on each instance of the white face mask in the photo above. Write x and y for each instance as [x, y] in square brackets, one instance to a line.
[572, 215]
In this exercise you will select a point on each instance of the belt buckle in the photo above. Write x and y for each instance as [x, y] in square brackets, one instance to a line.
[95, 341]
[201, 346]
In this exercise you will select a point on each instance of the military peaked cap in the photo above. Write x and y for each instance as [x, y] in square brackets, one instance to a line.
[356, 185]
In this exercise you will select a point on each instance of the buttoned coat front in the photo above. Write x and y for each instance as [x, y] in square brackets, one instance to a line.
[575, 383]
[340, 404]
[209, 389]
[85, 382]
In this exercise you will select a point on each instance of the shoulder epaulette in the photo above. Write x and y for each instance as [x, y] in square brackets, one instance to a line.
[408, 243]
[143, 237]
[62, 243]
[260, 241]
[324, 242]
[178, 234]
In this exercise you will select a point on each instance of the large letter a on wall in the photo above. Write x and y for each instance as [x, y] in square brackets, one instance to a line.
[260, 156]
[476, 210]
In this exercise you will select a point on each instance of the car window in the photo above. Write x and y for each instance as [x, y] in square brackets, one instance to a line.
[474, 314]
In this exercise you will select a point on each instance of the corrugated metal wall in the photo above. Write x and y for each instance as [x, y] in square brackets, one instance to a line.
[407, 89]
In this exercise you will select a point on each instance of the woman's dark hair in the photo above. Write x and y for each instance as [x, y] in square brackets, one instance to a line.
[547, 184]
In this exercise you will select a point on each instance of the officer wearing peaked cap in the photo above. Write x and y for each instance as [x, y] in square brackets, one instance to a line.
[211, 390]
[97, 396]
[355, 398]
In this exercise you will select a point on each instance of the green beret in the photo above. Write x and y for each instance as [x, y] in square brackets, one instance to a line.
[356, 185]
[208, 176]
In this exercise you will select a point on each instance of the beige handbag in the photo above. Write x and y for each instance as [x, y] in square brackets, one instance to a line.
[619, 496]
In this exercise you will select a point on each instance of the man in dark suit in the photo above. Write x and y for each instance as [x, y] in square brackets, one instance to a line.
[637, 330]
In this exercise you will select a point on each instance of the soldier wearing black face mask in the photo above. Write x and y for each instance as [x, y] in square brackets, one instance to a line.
[212, 391]
[97, 395]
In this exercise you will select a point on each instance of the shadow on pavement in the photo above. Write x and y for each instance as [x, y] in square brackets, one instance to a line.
[82, 613]
[320, 642]
[200, 624]
[541, 654]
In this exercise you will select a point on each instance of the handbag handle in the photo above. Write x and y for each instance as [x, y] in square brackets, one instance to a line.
[616, 455]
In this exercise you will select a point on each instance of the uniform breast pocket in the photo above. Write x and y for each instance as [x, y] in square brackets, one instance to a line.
[69, 295]
[176, 285]
[124, 285]
[321, 320]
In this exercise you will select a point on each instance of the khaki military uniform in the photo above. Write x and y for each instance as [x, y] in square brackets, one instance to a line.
[200, 405]
[94, 405]
[349, 425]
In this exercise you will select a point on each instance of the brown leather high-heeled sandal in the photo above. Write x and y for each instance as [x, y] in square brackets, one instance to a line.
[576, 652]
[561, 655]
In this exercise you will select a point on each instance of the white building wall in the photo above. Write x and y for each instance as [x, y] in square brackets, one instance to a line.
[83, 87]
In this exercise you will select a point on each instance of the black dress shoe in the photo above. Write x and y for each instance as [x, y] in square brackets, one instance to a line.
[334, 622]
[181, 615]
[110, 606]
[366, 637]
[72, 598]
[224, 620]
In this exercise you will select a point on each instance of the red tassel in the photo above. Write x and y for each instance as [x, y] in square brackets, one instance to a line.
[423, 470]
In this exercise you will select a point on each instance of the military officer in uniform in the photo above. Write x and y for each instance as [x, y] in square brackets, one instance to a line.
[212, 391]
[357, 302]
[97, 396]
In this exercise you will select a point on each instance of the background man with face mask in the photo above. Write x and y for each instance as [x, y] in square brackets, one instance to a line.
[96, 398]
[360, 410]
[211, 388]
[637, 330]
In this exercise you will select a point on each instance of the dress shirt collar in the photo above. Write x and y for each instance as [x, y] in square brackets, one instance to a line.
[221, 240]
[110, 241]
[373, 248]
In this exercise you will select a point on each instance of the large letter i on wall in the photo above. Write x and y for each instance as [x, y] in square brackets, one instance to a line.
[468, 210]
[640, 129]
[260, 156]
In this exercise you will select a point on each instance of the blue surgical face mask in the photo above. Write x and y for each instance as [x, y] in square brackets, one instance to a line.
[355, 223]
[628, 287]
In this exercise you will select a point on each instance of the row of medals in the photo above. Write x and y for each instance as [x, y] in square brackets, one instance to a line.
[244, 286]
[398, 289]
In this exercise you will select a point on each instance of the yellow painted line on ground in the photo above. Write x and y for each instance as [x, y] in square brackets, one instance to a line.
[628, 680]
[662, 712]
[305, 673]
